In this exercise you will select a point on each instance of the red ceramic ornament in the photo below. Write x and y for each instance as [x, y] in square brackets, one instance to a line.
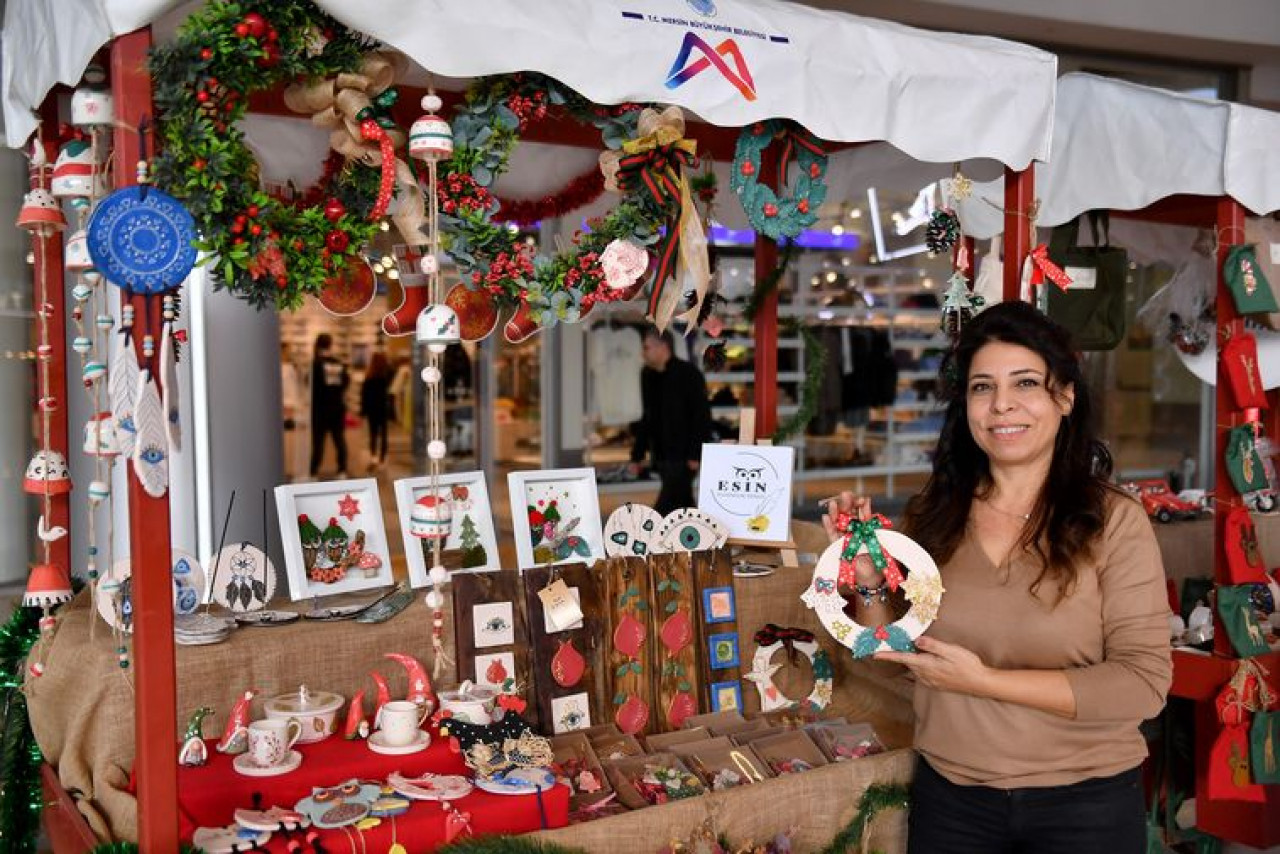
[477, 314]
[677, 631]
[632, 715]
[681, 708]
[349, 291]
[568, 665]
[355, 718]
[333, 210]
[628, 637]
[521, 325]
[496, 673]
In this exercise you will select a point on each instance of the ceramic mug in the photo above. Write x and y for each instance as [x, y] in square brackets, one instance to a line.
[471, 703]
[399, 722]
[271, 739]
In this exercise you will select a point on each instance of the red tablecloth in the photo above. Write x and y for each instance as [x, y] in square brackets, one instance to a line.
[209, 796]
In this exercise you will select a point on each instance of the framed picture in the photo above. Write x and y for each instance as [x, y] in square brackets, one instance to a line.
[722, 650]
[726, 696]
[556, 516]
[471, 531]
[333, 537]
[718, 605]
[494, 624]
[748, 489]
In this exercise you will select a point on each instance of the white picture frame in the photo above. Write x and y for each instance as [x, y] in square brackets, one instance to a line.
[577, 528]
[475, 504]
[748, 489]
[321, 502]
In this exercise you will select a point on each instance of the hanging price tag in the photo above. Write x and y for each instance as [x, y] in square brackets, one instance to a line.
[560, 607]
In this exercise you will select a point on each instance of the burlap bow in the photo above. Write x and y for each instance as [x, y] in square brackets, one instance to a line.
[653, 163]
[340, 104]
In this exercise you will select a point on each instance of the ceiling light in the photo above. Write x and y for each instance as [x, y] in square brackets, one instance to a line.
[837, 230]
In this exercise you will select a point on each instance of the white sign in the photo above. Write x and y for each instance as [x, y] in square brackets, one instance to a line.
[748, 488]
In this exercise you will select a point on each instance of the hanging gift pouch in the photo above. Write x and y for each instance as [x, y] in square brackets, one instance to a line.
[1244, 557]
[1249, 286]
[1264, 747]
[1264, 232]
[1244, 464]
[1235, 607]
[1092, 306]
[1229, 777]
[1240, 355]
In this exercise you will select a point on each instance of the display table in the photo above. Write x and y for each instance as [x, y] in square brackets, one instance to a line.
[208, 796]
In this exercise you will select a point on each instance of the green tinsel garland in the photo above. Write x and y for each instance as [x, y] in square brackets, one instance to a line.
[20, 795]
[768, 284]
[875, 800]
[815, 363]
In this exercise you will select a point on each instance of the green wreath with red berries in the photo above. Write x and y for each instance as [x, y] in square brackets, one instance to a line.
[770, 214]
[265, 251]
[486, 128]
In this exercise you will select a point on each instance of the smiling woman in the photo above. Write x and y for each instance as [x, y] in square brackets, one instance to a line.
[1051, 645]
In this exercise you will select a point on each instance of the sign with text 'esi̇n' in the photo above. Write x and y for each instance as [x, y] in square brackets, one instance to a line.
[748, 488]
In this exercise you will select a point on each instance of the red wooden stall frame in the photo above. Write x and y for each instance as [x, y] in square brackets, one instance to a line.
[155, 763]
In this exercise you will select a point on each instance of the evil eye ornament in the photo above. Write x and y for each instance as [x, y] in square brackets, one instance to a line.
[691, 530]
[632, 531]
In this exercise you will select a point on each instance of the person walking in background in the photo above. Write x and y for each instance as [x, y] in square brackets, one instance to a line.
[329, 381]
[676, 420]
[375, 406]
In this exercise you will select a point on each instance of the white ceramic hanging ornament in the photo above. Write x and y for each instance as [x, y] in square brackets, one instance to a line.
[430, 137]
[151, 446]
[169, 377]
[91, 103]
[122, 386]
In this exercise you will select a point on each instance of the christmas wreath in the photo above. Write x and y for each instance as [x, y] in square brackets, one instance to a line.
[600, 264]
[835, 569]
[266, 251]
[770, 214]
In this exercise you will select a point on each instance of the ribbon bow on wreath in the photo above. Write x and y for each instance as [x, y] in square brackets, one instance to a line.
[788, 637]
[1042, 268]
[355, 109]
[859, 533]
[654, 162]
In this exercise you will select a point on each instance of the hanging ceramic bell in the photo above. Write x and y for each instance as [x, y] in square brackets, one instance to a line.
[48, 585]
[100, 439]
[431, 518]
[75, 255]
[73, 173]
[91, 103]
[438, 327]
[430, 137]
[47, 471]
[40, 213]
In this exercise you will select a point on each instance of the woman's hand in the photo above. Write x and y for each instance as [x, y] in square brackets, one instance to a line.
[848, 504]
[944, 666]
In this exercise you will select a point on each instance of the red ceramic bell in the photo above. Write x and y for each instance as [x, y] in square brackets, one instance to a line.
[49, 584]
[47, 473]
[41, 213]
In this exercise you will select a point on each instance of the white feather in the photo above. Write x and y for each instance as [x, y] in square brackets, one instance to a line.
[123, 388]
[151, 450]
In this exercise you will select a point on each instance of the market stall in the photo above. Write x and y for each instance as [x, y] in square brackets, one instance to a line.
[1112, 150]
[734, 64]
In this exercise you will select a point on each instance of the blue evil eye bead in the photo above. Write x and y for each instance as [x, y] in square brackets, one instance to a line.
[82, 344]
[151, 455]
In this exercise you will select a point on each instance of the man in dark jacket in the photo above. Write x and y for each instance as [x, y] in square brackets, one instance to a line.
[675, 423]
[329, 381]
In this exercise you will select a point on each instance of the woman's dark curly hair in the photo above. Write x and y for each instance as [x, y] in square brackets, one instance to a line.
[1070, 512]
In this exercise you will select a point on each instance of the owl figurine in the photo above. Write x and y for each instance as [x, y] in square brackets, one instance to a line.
[340, 805]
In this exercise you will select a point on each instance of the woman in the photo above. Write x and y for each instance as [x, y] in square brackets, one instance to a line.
[1052, 643]
[373, 406]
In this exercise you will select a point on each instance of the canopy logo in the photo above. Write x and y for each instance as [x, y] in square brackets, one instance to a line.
[706, 8]
[682, 70]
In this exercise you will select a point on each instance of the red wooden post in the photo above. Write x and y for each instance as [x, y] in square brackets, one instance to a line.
[1019, 199]
[155, 719]
[50, 293]
[766, 319]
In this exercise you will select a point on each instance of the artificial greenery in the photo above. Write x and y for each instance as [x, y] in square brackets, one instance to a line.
[875, 800]
[815, 364]
[266, 251]
[485, 131]
[769, 283]
[20, 797]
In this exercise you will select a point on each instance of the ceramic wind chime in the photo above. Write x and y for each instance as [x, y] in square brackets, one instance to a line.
[47, 475]
[430, 140]
[142, 240]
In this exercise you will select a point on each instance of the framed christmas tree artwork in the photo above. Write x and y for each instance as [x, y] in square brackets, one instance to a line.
[457, 512]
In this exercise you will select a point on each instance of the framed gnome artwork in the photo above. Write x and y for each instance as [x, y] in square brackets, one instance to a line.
[459, 510]
[556, 516]
[333, 537]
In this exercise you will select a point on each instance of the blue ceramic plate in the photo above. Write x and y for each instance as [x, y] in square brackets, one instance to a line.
[143, 245]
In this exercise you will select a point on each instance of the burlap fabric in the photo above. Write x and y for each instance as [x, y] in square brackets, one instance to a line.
[82, 709]
[816, 805]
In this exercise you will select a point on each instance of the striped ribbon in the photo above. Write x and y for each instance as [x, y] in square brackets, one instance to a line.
[656, 173]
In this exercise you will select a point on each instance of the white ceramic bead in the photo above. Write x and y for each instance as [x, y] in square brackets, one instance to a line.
[435, 599]
[438, 575]
[431, 375]
[431, 103]
[436, 449]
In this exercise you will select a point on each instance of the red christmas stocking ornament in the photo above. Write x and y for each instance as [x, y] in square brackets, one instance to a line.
[415, 263]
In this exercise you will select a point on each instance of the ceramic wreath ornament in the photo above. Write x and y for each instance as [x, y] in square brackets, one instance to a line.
[887, 550]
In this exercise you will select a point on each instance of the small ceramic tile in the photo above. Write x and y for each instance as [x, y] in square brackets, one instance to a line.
[494, 625]
[494, 668]
[570, 713]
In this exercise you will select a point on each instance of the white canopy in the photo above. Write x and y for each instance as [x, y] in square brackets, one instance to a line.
[1121, 146]
[935, 96]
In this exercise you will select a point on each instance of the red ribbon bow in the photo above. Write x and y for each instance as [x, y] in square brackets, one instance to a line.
[1042, 268]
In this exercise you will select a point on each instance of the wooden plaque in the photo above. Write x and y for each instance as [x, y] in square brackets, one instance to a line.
[630, 644]
[676, 648]
[478, 603]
